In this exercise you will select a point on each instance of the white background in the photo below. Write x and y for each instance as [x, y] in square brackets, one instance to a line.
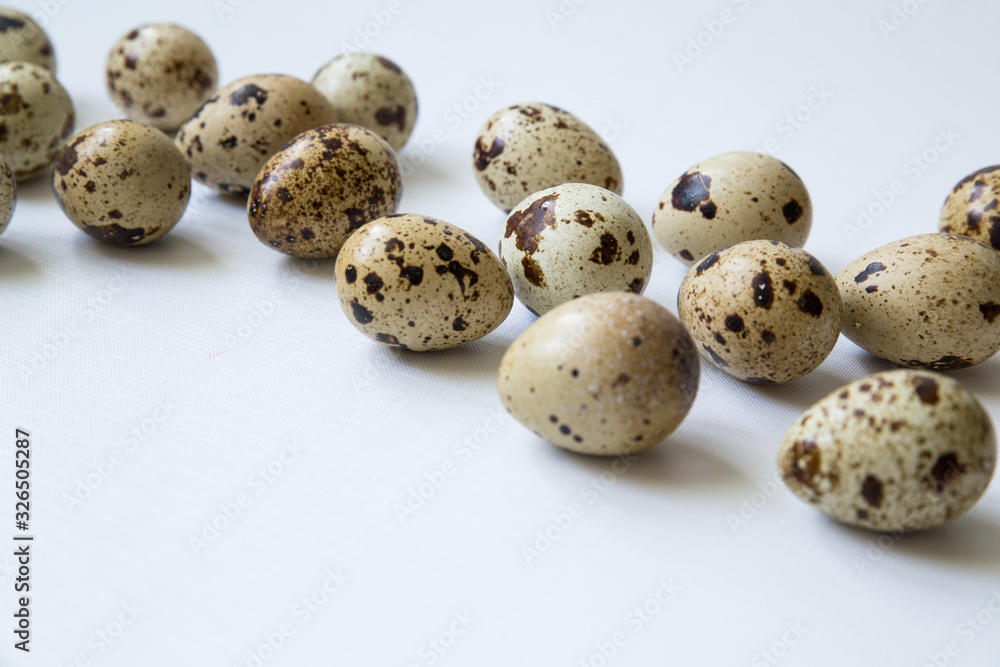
[248, 350]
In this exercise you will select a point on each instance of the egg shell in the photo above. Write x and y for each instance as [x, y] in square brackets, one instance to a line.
[419, 283]
[731, 198]
[973, 207]
[928, 301]
[8, 195]
[899, 451]
[571, 240]
[606, 374]
[372, 91]
[37, 117]
[244, 123]
[322, 186]
[122, 182]
[762, 311]
[23, 40]
[161, 74]
[529, 147]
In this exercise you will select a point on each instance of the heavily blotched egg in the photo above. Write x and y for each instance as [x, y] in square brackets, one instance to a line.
[972, 207]
[529, 147]
[36, 116]
[243, 124]
[371, 91]
[8, 195]
[606, 374]
[898, 451]
[731, 198]
[321, 187]
[928, 301]
[571, 240]
[22, 40]
[161, 74]
[762, 311]
[419, 283]
[122, 182]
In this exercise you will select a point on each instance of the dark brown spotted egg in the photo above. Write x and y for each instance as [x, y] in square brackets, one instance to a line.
[322, 186]
[762, 311]
[36, 117]
[243, 124]
[928, 301]
[606, 374]
[528, 147]
[369, 90]
[732, 198]
[973, 207]
[23, 40]
[122, 182]
[8, 195]
[419, 283]
[898, 451]
[571, 240]
[161, 74]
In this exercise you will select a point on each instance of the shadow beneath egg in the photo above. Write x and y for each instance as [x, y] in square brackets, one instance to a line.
[310, 270]
[38, 188]
[175, 250]
[15, 264]
[981, 379]
[479, 359]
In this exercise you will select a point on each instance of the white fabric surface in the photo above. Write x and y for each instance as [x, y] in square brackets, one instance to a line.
[186, 367]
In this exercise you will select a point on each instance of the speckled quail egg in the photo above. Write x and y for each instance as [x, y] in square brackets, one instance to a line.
[419, 283]
[901, 450]
[36, 116]
[161, 74]
[928, 301]
[371, 91]
[322, 186]
[23, 40]
[122, 182]
[571, 240]
[8, 195]
[973, 207]
[243, 124]
[731, 198]
[762, 311]
[528, 147]
[606, 374]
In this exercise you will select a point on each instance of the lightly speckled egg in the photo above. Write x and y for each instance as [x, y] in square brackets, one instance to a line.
[529, 147]
[571, 240]
[243, 124]
[973, 207]
[36, 116]
[371, 91]
[731, 198]
[419, 283]
[322, 186]
[928, 301]
[899, 451]
[607, 374]
[23, 40]
[122, 182]
[762, 311]
[8, 195]
[161, 74]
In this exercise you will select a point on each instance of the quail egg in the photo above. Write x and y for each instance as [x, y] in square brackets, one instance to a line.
[22, 40]
[8, 195]
[972, 207]
[36, 116]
